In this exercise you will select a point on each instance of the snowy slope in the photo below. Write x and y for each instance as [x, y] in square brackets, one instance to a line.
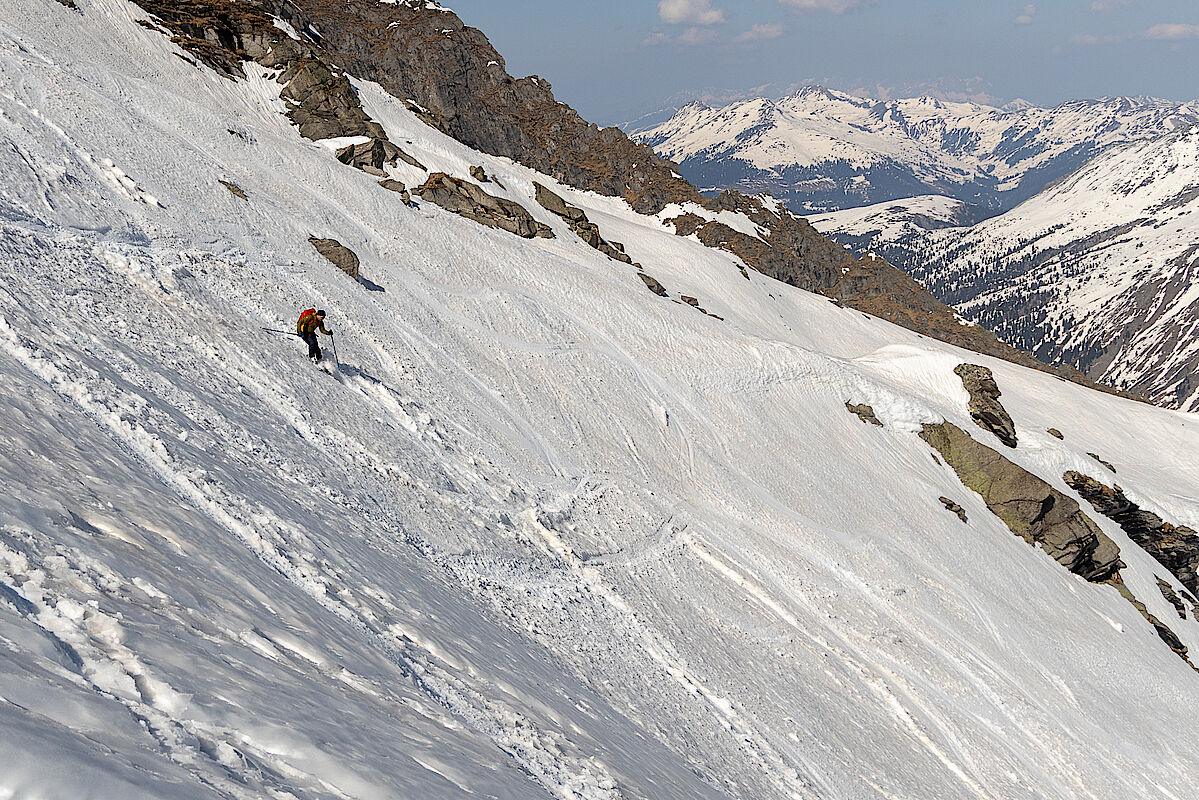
[825, 150]
[543, 535]
[1098, 271]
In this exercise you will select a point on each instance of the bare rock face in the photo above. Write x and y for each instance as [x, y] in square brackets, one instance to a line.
[469, 200]
[954, 508]
[1106, 464]
[652, 284]
[1176, 547]
[863, 412]
[985, 407]
[397, 187]
[1030, 507]
[371, 157]
[1172, 598]
[586, 230]
[1055, 433]
[338, 254]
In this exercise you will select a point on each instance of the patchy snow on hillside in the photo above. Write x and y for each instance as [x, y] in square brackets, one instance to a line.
[540, 533]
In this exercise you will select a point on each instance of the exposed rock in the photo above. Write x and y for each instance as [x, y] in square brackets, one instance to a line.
[1055, 433]
[1175, 547]
[373, 156]
[392, 185]
[1163, 631]
[1029, 506]
[1172, 598]
[864, 412]
[575, 217]
[479, 174]
[338, 254]
[691, 301]
[1104, 463]
[985, 407]
[652, 284]
[954, 507]
[450, 71]
[469, 200]
[69, 4]
[234, 188]
[554, 203]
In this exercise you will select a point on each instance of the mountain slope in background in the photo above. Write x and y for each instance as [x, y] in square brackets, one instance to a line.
[822, 150]
[1098, 271]
[544, 533]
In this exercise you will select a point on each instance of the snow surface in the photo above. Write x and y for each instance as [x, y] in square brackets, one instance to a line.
[543, 534]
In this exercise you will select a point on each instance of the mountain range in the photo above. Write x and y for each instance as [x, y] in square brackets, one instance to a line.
[821, 150]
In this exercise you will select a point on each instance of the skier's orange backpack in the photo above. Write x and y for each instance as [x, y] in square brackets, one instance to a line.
[305, 316]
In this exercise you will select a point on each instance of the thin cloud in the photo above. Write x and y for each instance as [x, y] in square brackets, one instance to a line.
[1165, 32]
[762, 32]
[689, 12]
[1108, 5]
[1026, 17]
[1170, 31]
[832, 6]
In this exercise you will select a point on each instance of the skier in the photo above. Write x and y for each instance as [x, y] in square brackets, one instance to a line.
[307, 326]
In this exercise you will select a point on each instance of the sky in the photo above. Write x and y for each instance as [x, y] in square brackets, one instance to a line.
[617, 60]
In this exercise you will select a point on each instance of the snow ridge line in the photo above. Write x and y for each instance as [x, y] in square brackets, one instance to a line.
[540, 754]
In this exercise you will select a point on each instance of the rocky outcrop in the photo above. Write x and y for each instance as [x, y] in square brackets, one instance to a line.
[652, 284]
[1175, 547]
[371, 157]
[576, 218]
[1172, 598]
[864, 412]
[338, 254]
[1029, 506]
[1055, 433]
[954, 508]
[469, 200]
[1106, 464]
[399, 188]
[985, 409]
[234, 189]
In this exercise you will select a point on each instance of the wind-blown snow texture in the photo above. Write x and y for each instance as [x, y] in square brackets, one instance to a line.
[823, 150]
[543, 535]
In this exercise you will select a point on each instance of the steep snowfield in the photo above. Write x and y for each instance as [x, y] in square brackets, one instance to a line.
[1098, 271]
[544, 534]
[825, 149]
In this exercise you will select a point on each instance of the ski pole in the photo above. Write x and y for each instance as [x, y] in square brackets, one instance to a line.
[333, 344]
[285, 333]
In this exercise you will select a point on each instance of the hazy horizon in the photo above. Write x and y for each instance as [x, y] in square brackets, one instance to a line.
[639, 56]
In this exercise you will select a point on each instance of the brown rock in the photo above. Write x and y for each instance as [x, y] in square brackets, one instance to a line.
[1104, 463]
[864, 412]
[652, 284]
[469, 200]
[1029, 506]
[234, 189]
[1055, 433]
[954, 508]
[1175, 547]
[479, 174]
[338, 254]
[985, 407]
